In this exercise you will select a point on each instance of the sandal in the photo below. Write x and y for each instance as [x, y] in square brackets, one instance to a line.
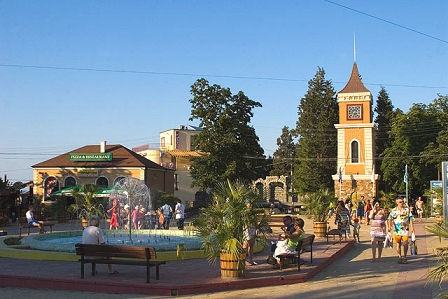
[400, 261]
[404, 261]
[115, 272]
[275, 266]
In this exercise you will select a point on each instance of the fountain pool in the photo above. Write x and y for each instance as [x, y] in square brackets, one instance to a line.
[162, 240]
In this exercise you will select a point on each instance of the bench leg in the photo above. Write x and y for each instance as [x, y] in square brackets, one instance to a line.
[157, 272]
[147, 273]
[82, 269]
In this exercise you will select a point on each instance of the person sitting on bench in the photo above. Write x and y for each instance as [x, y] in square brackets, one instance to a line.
[94, 235]
[33, 222]
[289, 244]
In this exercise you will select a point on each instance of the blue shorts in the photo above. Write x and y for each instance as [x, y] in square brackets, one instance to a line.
[31, 223]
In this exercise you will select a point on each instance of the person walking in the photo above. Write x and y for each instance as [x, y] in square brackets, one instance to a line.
[179, 210]
[166, 211]
[360, 208]
[419, 206]
[377, 230]
[401, 221]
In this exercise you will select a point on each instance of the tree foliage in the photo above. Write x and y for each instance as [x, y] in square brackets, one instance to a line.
[414, 136]
[317, 145]
[384, 111]
[384, 115]
[230, 146]
[284, 154]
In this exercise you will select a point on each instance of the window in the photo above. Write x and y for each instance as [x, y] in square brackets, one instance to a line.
[103, 182]
[118, 179]
[69, 182]
[162, 142]
[354, 152]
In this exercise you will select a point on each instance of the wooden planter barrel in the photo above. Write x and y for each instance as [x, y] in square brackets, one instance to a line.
[320, 229]
[231, 267]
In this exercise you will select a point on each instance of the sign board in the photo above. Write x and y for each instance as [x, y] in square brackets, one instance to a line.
[445, 189]
[87, 172]
[90, 157]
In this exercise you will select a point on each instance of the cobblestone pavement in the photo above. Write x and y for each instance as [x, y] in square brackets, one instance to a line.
[351, 276]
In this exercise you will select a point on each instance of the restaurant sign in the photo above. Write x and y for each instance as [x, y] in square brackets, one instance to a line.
[87, 172]
[90, 157]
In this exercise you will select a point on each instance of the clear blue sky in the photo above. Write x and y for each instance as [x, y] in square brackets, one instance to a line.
[74, 73]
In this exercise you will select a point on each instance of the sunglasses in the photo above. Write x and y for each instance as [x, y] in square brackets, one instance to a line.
[399, 201]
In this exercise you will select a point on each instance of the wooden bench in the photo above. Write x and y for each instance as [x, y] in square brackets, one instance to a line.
[23, 224]
[304, 245]
[337, 232]
[118, 255]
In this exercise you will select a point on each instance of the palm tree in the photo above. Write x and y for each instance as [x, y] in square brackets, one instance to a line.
[439, 272]
[221, 224]
[87, 201]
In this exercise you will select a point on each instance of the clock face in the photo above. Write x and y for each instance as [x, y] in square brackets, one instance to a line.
[354, 112]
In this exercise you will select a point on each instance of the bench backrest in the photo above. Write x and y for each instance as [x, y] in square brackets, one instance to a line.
[306, 242]
[22, 220]
[116, 251]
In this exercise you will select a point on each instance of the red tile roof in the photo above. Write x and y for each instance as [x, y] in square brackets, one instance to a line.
[354, 83]
[121, 157]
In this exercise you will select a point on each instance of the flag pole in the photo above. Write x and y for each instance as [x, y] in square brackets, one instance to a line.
[406, 180]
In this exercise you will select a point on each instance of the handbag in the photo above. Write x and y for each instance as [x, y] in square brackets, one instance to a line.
[414, 249]
[388, 241]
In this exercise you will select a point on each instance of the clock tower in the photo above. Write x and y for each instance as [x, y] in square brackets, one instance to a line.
[356, 149]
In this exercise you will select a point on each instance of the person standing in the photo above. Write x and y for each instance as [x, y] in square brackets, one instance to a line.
[368, 210]
[114, 211]
[360, 208]
[94, 235]
[166, 211]
[419, 205]
[401, 221]
[33, 222]
[179, 210]
[377, 230]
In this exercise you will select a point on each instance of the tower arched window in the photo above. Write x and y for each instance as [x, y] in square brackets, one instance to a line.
[354, 152]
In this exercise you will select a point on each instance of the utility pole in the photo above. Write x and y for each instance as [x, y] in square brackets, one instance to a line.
[292, 182]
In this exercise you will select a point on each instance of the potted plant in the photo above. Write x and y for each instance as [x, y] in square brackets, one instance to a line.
[87, 203]
[317, 206]
[222, 223]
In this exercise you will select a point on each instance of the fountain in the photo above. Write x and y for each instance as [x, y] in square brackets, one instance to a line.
[132, 192]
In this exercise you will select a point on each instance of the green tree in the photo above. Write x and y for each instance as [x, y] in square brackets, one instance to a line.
[230, 146]
[384, 111]
[317, 144]
[411, 133]
[284, 154]
[436, 152]
[384, 115]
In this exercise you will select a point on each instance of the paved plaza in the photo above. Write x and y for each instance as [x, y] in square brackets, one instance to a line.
[332, 275]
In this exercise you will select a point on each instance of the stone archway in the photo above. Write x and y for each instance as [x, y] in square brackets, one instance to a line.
[274, 188]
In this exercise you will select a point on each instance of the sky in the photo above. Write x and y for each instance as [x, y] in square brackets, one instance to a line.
[74, 73]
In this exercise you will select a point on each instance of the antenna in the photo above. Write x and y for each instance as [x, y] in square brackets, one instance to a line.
[354, 46]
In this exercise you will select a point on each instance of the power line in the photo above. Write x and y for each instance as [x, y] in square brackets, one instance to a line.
[389, 22]
[200, 75]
